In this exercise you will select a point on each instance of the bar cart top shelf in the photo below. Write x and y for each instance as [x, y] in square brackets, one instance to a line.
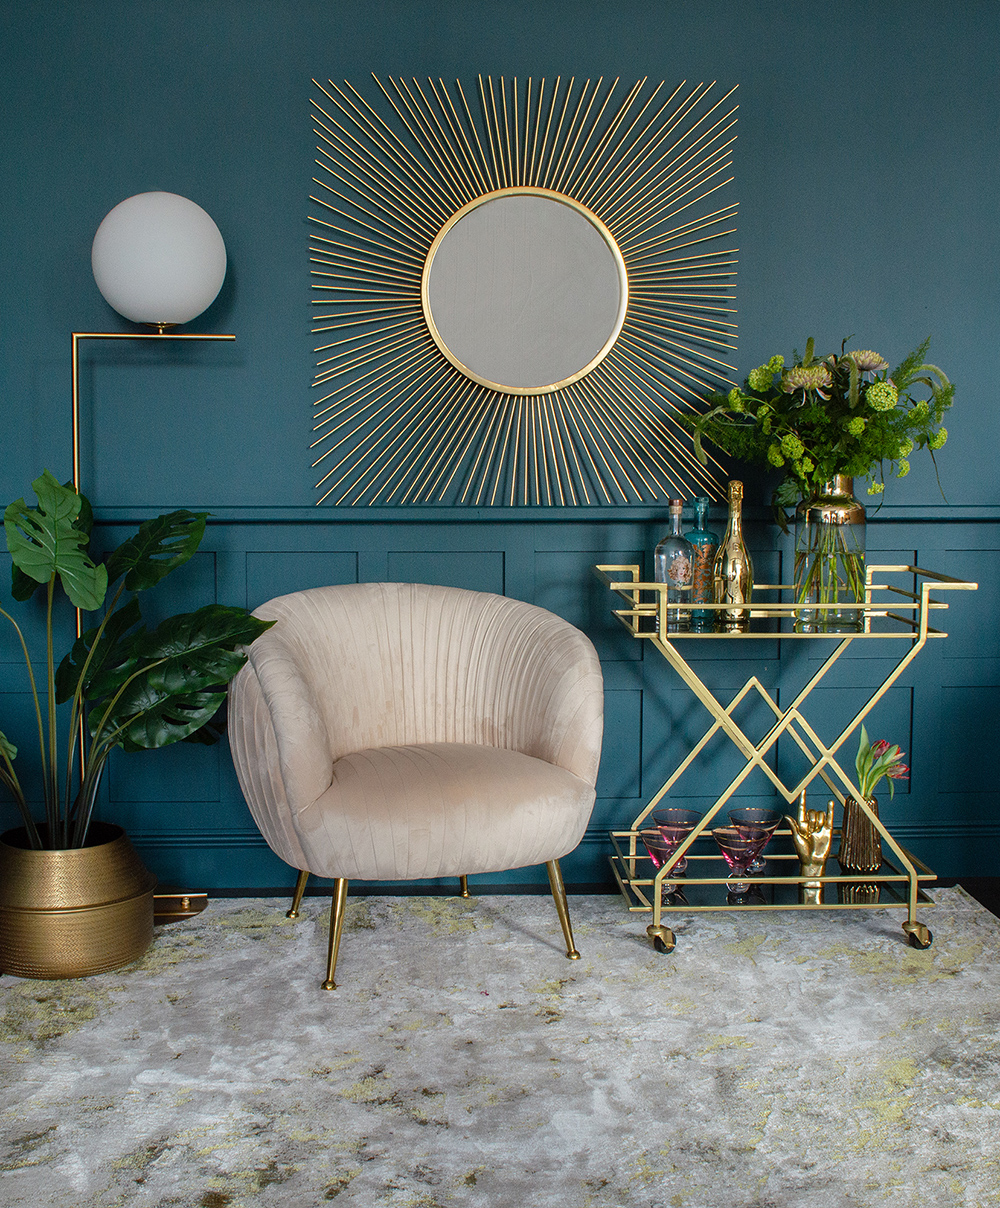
[898, 603]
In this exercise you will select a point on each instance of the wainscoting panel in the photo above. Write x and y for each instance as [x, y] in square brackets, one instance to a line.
[183, 806]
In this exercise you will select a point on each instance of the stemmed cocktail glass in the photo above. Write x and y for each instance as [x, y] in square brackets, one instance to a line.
[672, 827]
[740, 846]
[756, 817]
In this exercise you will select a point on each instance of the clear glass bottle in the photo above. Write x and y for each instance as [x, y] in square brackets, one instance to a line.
[673, 564]
[702, 583]
[734, 569]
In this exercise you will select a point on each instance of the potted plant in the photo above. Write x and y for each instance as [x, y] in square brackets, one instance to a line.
[74, 896]
[826, 421]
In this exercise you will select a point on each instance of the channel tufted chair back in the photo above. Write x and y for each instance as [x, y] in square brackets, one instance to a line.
[398, 731]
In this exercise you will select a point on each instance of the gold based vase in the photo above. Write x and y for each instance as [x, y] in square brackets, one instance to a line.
[860, 841]
[830, 559]
[73, 912]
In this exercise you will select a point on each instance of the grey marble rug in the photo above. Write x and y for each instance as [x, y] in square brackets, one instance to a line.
[793, 1060]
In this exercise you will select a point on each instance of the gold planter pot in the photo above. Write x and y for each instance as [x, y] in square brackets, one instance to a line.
[73, 912]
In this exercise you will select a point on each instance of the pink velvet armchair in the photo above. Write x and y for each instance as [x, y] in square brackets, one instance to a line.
[398, 731]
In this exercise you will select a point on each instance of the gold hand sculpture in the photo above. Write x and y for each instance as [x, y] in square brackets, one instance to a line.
[812, 834]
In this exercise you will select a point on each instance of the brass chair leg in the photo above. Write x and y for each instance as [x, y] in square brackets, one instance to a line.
[562, 906]
[300, 888]
[463, 887]
[336, 927]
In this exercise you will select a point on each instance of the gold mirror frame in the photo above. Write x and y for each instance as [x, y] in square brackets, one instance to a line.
[400, 419]
[598, 226]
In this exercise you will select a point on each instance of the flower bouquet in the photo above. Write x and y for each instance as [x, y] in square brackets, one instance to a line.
[826, 421]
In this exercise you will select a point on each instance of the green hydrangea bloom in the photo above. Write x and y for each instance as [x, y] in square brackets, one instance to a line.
[765, 425]
[904, 468]
[791, 446]
[882, 396]
[808, 465]
[856, 425]
[920, 410]
[905, 448]
[876, 488]
[774, 455]
[938, 439]
[735, 400]
[760, 378]
[776, 363]
[764, 409]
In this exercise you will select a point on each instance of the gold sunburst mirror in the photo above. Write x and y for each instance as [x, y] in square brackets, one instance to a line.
[523, 296]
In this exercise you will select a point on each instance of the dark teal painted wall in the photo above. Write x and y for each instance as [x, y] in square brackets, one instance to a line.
[868, 174]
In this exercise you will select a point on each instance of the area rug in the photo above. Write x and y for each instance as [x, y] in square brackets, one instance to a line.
[789, 1060]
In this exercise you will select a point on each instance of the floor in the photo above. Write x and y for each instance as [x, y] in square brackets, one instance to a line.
[986, 891]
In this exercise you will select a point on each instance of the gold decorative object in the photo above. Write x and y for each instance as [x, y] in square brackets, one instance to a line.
[523, 291]
[812, 834]
[73, 912]
[860, 843]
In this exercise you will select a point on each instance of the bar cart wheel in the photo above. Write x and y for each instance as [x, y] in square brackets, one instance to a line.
[918, 936]
[663, 938]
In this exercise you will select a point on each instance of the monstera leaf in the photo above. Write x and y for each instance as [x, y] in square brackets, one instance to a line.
[48, 540]
[161, 687]
[160, 546]
[113, 650]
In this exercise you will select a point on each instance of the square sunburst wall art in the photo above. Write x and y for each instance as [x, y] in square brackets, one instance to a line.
[521, 290]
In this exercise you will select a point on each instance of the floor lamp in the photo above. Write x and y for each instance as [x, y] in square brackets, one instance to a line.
[159, 260]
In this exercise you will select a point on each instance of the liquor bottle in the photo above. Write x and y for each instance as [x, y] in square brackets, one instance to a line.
[673, 564]
[733, 569]
[702, 583]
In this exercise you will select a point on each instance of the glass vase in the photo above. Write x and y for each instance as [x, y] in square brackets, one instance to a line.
[830, 559]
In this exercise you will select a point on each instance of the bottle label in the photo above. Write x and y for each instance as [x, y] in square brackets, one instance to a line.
[703, 589]
[679, 569]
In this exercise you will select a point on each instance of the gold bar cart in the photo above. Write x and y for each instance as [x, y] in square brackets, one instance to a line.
[898, 610]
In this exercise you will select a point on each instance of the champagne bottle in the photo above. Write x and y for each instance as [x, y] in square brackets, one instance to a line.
[673, 564]
[733, 569]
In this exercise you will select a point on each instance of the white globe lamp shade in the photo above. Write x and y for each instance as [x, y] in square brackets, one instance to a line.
[158, 258]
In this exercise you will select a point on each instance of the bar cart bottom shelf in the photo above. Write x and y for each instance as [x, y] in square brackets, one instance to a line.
[703, 887]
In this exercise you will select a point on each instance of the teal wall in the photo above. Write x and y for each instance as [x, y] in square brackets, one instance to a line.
[868, 173]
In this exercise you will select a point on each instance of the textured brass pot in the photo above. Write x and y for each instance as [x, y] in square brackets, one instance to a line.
[73, 912]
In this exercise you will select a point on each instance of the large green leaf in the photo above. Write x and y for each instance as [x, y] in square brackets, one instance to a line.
[160, 546]
[113, 651]
[165, 720]
[23, 586]
[172, 676]
[46, 540]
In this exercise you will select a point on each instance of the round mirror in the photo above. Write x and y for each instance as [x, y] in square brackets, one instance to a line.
[524, 290]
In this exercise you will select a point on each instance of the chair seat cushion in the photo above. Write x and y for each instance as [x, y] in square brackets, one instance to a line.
[441, 810]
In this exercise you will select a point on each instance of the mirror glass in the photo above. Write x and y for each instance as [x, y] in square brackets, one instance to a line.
[524, 292]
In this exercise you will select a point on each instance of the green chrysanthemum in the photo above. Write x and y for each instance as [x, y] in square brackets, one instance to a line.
[868, 361]
[774, 455]
[856, 425]
[938, 439]
[791, 446]
[806, 377]
[882, 396]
